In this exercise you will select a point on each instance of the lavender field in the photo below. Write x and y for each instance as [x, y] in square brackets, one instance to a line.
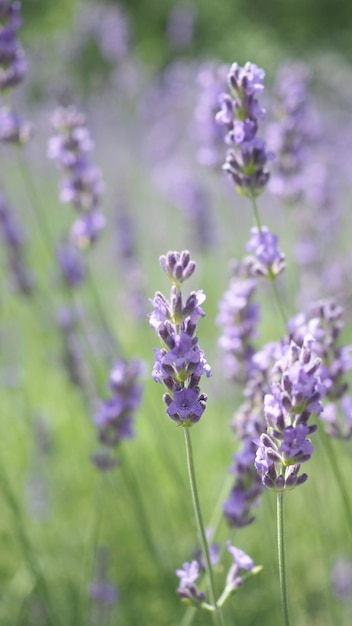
[175, 329]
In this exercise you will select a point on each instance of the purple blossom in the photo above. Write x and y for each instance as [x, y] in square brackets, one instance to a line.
[264, 244]
[187, 406]
[71, 264]
[209, 133]
[83, 187]
[241, 561]
[115, 415]
[293, 398]
[180, 363]
[240, 112]
[238, 318]
[13, 129]
[187, 587]
[13, 63]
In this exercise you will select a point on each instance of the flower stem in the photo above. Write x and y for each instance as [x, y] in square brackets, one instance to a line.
[282, 556]
[201, 531]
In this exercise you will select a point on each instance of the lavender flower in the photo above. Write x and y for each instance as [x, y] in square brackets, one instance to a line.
[238, 318]
[241, 561]
[13, 129]
[209, 134]
[293, 399]
[72, 356]
[83, 186]
[240, 112]
[291, 132]
[187, 587]
[71, 264]
[269, 261]
[325, 323]
[13, 64]
[115, 415]
[180, 363]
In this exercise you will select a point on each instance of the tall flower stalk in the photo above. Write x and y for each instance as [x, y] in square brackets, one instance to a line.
[179, 366]
[283, 443]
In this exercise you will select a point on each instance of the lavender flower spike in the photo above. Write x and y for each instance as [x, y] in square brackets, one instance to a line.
[115, 415]
[83, 186]
[180, 363]
[240, 112]
[287, 409]
[269, 261]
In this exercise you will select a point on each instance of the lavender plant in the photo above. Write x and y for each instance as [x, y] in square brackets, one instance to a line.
[296, 383]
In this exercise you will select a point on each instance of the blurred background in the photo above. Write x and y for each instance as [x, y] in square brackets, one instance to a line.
[140, 71]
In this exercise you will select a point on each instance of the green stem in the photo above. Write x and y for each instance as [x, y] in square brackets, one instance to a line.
[256, 212]
[282, 556]
[201, 530]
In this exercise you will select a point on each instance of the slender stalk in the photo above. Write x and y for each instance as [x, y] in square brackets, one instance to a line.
[201, 530]
[282, 556]
[256, 212]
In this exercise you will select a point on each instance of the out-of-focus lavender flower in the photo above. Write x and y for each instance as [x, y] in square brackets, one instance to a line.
[247, 158]
[209, 134]
[180, 25]
[13, 129]
[341, 579]
[107, 26]
[103, 593]
[83, 187]
[14, 243]
[269, 261]
[180, 363]
[214, 551]
[37, 488]
[13, 63]
[115, 415]
[247, 489]
[72, 354]
[71, 264]
[187, 587]
[238, 319]
[293, 399]
[325, 323]
[292, 132]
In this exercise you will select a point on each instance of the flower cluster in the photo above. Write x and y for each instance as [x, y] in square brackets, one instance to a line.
[268, 261]
[115, 416]
[240, 112]
[211, 80]
[325, 324]
[238, 318]
[291, 132]
[180, 363]
[83, 186]
[13, 67]
[293, 399]
[190, 572]
[13, 64]
[71, 264]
